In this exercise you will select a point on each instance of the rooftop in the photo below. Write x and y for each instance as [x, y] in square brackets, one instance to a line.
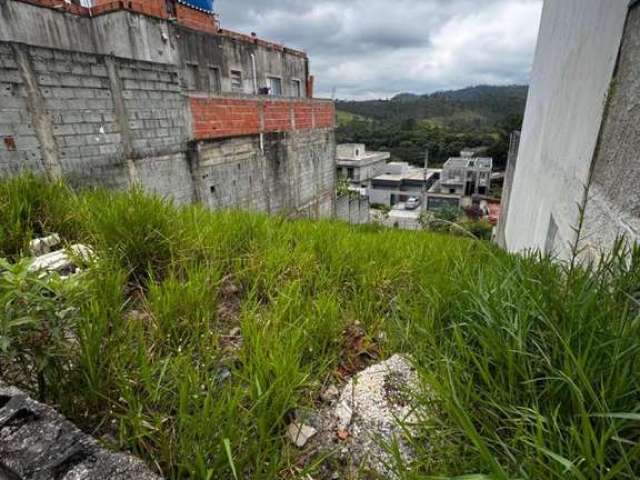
[468, 162]
[414, 173]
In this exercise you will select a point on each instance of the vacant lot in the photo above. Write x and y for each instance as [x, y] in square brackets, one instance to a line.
[193, 336]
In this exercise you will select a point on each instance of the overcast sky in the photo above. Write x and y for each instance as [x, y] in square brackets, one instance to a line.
[376, 48]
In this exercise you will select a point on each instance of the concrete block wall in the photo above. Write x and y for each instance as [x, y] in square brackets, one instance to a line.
[92, 119]
[353, 210]
[20, 146]
[288, 172]
[104, 100]
[78, 102]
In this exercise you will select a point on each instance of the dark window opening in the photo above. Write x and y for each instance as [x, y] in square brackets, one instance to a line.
[296, 86]
[192, 76]
[215, 82]
[236, 81]
[275, 86]
[10, 144]
[212, 189]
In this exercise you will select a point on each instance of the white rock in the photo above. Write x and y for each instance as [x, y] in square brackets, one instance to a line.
[40, 246]
[300, 434]
[61, 261]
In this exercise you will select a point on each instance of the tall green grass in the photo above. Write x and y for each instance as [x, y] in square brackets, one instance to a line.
[535, 365]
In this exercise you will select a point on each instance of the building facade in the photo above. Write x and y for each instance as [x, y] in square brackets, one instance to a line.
[466, 176]
[399, 182]
[577, 177]
[359, 166]
[156, 93]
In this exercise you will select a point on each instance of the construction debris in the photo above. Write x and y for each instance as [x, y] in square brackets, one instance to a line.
[41, 246]
[375, 410]
[64, 262]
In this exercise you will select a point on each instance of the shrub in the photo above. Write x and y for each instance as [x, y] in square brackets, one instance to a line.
[37, 328]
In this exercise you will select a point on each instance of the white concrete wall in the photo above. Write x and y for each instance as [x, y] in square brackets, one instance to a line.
[574, 63]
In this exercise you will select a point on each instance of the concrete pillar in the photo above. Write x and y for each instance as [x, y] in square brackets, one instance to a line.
[40, 117]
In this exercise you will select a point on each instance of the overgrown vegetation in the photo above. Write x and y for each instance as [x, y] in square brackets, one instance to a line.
[535, 363]
[457, 222]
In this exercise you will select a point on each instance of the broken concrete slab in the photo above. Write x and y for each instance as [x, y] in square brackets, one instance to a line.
[37, 443]
[63, 262]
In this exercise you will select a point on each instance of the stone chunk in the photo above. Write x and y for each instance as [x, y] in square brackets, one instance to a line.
[40, 246]
[36, 443]
[300, 434]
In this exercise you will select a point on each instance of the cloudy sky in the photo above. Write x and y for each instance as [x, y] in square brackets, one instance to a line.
[377, 48]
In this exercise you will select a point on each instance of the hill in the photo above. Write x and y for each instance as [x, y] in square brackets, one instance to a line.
[481, 104]
[442, 122]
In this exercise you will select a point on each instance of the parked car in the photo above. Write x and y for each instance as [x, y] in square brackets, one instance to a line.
[412, 203]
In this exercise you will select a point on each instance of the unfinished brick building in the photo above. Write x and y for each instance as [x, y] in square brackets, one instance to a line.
[155, 92]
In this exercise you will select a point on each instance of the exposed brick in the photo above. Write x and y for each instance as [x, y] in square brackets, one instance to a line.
[196, 19]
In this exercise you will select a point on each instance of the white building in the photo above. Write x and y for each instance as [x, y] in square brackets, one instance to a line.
[358, 165]
[399, 182]
[580, 144]
[466, 176]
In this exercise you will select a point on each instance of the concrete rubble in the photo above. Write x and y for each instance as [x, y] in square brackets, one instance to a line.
[373, 410]
[64, 262]
[41, 246]
[37, 443]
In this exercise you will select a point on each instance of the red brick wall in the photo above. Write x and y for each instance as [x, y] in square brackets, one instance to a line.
[277, 117]
[153, 8]
[226, 117]
[324, 114]
[195, 19]
[303, 115]
[217, 118]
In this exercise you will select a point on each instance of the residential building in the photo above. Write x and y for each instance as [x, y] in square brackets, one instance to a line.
[466, 176]
[399, 182]
[462, 179]
[359, 166]
[156, 93]
[577, 177]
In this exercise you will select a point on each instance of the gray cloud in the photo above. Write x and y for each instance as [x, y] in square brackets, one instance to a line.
[375, 48]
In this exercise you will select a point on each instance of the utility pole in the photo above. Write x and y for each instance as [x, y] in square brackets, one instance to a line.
[424, 182]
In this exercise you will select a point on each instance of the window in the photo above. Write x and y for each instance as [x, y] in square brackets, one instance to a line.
[192, 76]
[215, 84]
[296, 88]
[275, 85]
[236, 81]
[350, 173]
